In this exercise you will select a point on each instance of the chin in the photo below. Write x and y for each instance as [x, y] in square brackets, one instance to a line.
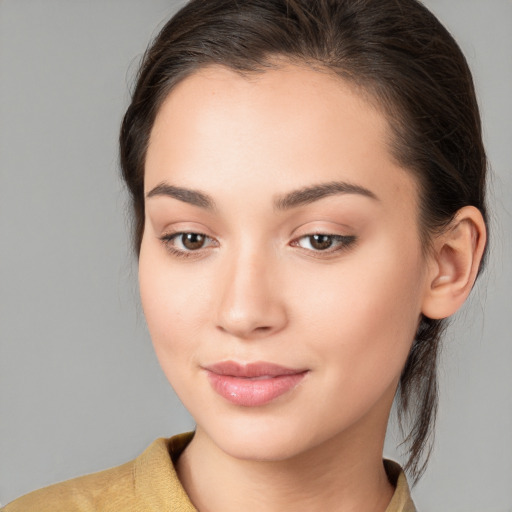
[260, 450]
[268, 440]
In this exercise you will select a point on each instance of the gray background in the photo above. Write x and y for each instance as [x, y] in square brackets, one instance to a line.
[80, 388]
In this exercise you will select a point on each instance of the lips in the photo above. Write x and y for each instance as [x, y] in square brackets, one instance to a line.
[254, 384]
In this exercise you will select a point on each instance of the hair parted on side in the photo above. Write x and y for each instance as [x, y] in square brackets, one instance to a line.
[396, 53]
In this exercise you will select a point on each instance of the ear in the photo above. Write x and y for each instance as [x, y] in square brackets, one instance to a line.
[454, 263]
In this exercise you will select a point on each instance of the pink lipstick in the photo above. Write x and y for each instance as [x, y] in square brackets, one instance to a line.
[253, 384]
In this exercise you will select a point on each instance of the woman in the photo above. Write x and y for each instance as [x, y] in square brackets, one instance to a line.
[308, 189]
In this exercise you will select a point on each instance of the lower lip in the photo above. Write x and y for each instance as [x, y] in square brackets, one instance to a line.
[249, 392]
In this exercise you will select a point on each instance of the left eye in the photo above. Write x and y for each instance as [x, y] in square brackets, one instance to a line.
[325, 243]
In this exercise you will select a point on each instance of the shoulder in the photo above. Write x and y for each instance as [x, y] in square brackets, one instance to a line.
[99, 491]
[148, 482]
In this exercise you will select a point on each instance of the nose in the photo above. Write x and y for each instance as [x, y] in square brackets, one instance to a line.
[251, 301]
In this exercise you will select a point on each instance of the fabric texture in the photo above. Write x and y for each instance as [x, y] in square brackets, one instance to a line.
[149, 484]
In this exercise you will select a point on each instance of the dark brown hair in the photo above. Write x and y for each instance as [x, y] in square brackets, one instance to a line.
[395, 52]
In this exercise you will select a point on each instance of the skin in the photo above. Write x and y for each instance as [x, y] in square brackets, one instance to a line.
[259, 291]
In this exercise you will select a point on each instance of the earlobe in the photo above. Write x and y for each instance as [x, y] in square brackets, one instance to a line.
[455, 261]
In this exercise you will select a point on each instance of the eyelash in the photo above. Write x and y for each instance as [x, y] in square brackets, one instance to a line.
[169, 239]
[343, 243]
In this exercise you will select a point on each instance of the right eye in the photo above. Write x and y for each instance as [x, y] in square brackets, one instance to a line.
[184, 244]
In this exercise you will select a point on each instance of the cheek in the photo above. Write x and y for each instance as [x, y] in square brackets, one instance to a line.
[173, 301]
[363, 316]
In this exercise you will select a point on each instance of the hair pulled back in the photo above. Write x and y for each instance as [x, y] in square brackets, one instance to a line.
[395, 52]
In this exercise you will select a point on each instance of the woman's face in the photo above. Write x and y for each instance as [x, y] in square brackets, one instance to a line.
[281, 270]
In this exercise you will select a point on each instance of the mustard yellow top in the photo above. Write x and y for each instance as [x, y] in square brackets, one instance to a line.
[149, 484]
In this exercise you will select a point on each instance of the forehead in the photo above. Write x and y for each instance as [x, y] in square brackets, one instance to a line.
[299, 91]
[293, 122]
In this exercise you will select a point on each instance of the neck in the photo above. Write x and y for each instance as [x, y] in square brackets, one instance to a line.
[344, 473]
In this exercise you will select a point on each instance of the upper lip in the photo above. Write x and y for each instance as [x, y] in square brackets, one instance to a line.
[249, 370]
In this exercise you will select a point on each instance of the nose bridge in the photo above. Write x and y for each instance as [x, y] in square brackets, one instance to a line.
[250, 304]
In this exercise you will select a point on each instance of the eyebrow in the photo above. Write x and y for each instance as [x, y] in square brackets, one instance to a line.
[313, 193]
[288, 201]
[186, 195]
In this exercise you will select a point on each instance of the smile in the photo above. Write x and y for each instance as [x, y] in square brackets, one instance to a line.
[254, 384]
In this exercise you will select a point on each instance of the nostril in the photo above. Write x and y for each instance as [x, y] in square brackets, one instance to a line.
[246, 332]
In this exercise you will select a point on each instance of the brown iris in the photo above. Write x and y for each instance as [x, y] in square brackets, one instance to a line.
[192, 241]
[320, 242]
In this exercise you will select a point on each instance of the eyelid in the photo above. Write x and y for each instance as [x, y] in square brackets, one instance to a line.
[344, 242]
[169, 237]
